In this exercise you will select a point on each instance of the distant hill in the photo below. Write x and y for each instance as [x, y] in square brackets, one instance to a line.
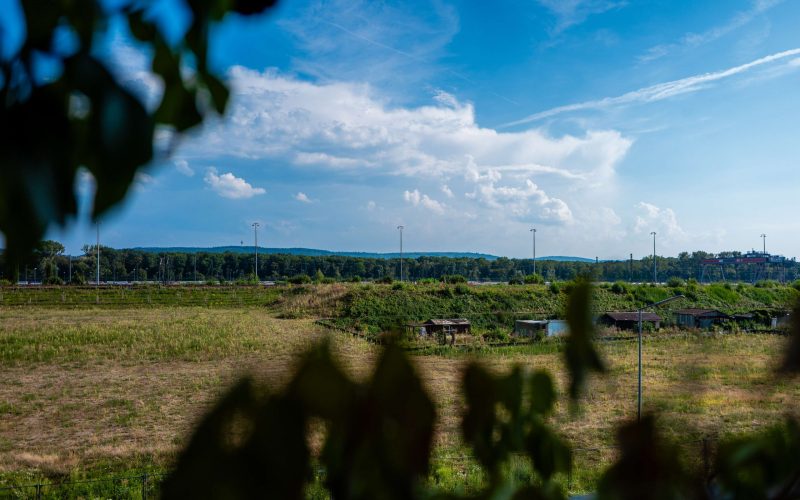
[313, 252]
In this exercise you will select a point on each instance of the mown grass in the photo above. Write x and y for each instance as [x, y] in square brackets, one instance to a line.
[97, 390]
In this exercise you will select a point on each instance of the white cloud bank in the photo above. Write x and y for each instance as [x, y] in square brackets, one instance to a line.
[229, 186]
[346, 128]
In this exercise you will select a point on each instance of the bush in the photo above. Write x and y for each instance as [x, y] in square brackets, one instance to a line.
[398, 286]
[516, 280]
[77, 279]
[53, 280]
[462, 289]
[386, 280]
[5, 282]
[300, 279]
[767, 284]
[796, 285]
[534, 279]
[619, 288]
[496, 335]
[355, 279]
[453, 278]
[555, 289]
[675, 282]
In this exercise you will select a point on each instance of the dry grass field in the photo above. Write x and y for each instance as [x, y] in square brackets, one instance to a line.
[113, 389]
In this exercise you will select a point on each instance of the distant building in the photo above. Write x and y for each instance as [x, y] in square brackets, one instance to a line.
[454, 325]
[540, 328]
[629, 320]
[700, 318]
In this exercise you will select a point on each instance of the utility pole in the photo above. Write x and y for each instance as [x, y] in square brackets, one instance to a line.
[400, 228]
[97, 258]
[533, 232]
[764, 240]
[255, 232]
[195, 268]
[630, 270]
[655, 275]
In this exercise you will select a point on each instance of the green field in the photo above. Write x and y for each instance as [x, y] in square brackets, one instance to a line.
[92, 388]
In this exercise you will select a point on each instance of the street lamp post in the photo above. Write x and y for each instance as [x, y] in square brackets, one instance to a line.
[255, 247]
[655, 275]
[764, 241]
[533, 232]
[639, 393]
[400, 228]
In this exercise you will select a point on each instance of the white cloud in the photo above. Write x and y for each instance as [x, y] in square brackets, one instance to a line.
[571, 12]
[346, 127]
[183, 167]
[349, 130]
[418, 199]
[228, 185]
[302, 197]
[520, 200]
[371, 205]
[661, 220]
[691, 40]
[659, 91]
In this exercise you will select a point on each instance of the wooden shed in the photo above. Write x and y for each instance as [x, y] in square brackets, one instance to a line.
[700, 318]
[629, 320]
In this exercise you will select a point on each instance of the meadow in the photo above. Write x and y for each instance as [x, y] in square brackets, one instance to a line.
[90, 390]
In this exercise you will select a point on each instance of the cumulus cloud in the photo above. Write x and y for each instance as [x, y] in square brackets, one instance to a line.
[416, 199]
[302, 197]
[447, 191]
[347, 127]
[661, 220]
[228, 185]
[183, 167]
[522, 201]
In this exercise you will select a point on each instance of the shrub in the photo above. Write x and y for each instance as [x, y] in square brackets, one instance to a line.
[534, 279]
[796, 285]
[77, 279]
[555, 289]
[619, 288]
[516, 280]
[398, 286]
[386, 280]
[461, 289]
[675, 282]
[355, 279]
[299, 279]
[453, 278]
[5, 282]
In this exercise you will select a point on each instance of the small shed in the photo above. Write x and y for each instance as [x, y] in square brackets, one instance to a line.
[452, 325]
[540, 327]
[629, 320]
[699, 318]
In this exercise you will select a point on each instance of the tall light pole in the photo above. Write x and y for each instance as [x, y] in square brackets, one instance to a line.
[97, 256]
[255, 233]
[639, 393]
[764, 240]
[533, 232]
[400, 228]
[655, 276]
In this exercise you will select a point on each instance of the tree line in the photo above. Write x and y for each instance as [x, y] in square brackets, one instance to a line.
[49, 264]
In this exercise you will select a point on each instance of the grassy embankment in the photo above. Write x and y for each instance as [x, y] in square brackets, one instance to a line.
[96, 390]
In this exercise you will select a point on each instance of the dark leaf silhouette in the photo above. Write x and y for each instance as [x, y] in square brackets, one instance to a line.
[580, 354]
[648, 467]
[46, 137]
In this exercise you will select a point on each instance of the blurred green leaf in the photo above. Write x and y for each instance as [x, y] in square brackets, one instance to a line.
[219, 92]
[580, 354]
[542, 393]
[765, 465]
[791, 360]
[648, 467]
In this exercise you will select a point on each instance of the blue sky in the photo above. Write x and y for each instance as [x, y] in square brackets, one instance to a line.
[467, 122]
